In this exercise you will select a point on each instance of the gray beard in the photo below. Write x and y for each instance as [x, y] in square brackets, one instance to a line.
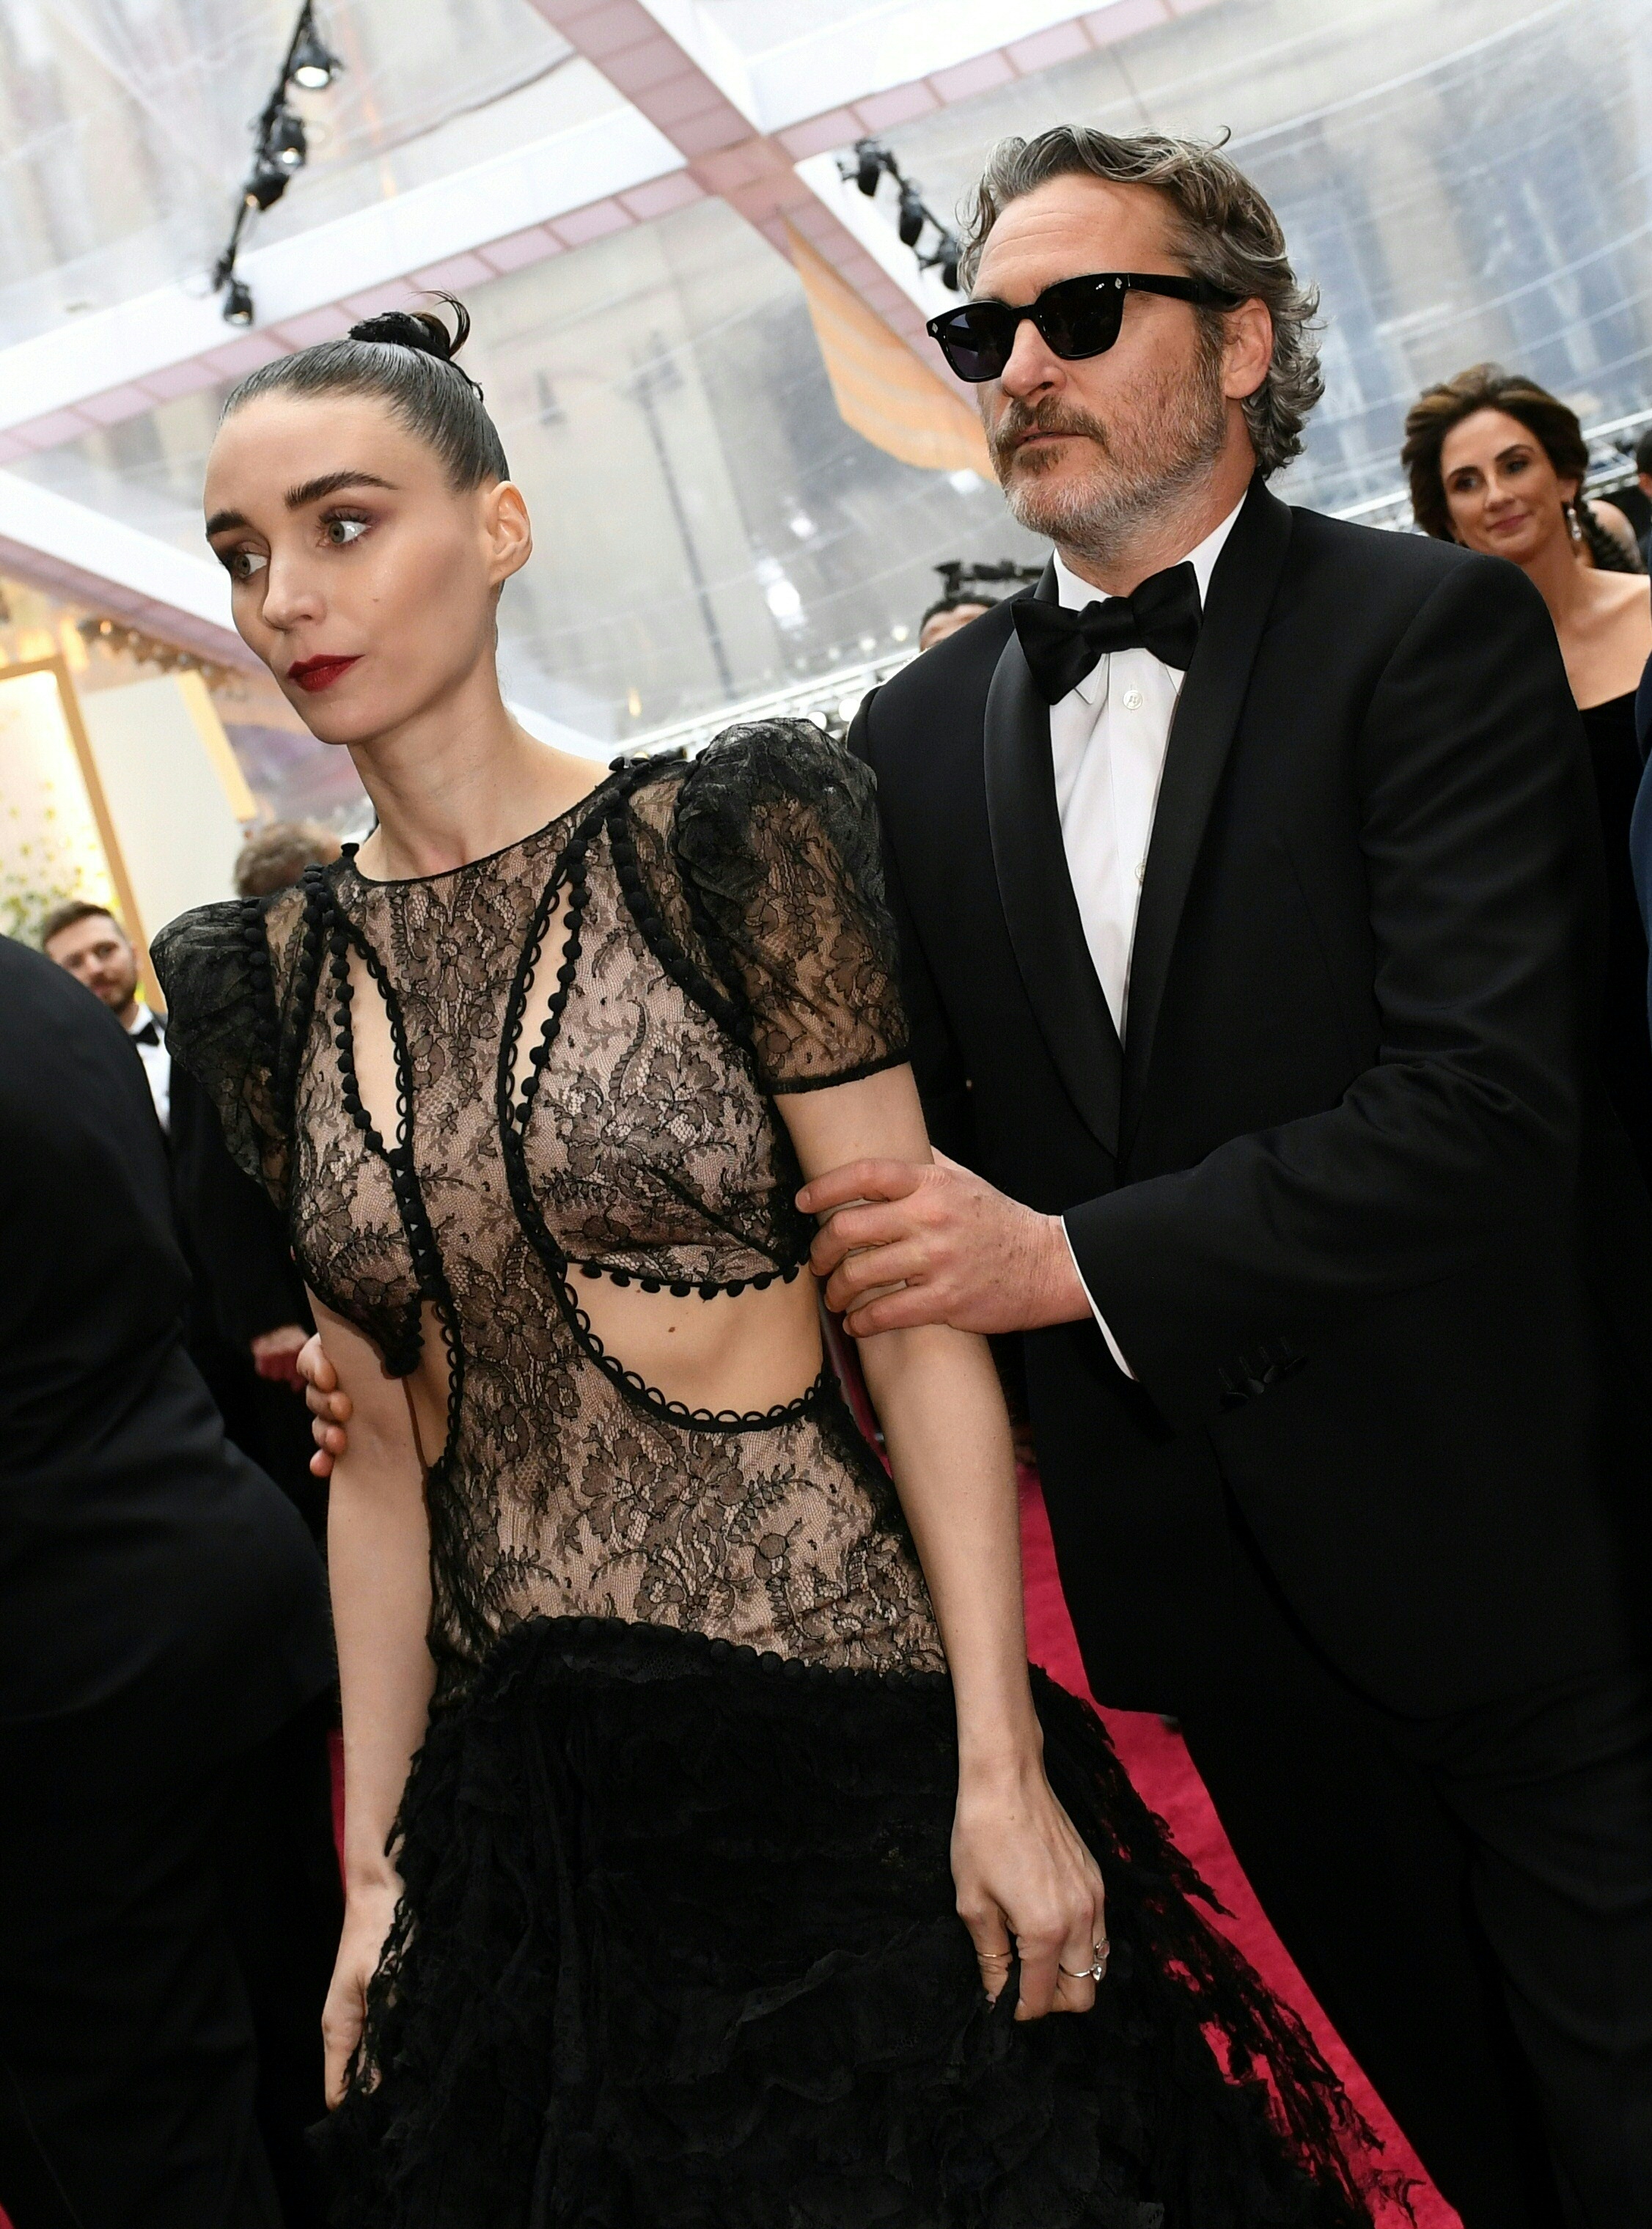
[1101, 519]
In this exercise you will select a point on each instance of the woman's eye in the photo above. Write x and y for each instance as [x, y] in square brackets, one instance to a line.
[241, 564]
[341, 532]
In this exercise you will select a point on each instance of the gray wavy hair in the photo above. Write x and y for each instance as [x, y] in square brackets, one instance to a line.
[1222, 228]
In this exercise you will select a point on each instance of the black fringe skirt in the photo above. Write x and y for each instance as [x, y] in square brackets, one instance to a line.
[677, 1950]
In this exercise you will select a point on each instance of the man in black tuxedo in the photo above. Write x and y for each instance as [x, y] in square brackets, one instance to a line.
[248, 1316]
[1250, 893]
[169, 1900]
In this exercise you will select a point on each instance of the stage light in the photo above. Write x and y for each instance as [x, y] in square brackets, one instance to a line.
[866, 167]
[286, 144]
[266, 186]
[238, 303]
[312, 66]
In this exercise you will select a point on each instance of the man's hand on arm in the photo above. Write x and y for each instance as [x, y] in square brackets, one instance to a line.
[907, 1243]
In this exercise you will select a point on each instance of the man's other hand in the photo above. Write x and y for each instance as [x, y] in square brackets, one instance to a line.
[275, 1355]
[905, 1243]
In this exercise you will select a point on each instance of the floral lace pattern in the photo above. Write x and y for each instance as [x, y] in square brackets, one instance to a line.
[588, 1030]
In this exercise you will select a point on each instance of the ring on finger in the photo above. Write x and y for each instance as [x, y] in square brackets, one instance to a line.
[996, 1958]
[1094, 1973]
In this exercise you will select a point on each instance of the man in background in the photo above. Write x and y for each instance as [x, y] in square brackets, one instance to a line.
[1643, 480]
[87, 940]
[169, 1897]
[247, 1316]
[946, 614]
[274, 858]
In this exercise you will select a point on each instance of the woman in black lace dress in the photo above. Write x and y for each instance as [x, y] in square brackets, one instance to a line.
[714, 1734]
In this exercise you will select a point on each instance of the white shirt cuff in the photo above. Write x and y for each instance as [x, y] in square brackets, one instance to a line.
[1100, 1320]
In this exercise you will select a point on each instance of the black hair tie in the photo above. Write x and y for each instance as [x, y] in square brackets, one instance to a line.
[423, 331]
[407, 329]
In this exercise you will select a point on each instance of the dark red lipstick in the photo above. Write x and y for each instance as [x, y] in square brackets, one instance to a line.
[313, 673]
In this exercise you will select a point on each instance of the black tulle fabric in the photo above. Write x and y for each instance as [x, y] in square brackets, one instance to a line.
[679, 1950]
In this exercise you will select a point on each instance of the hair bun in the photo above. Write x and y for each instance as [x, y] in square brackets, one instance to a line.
[420, 330]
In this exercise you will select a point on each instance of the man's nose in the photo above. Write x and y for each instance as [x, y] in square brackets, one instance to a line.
[1033, 366]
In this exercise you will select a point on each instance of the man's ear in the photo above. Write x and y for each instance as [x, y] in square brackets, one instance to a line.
[1247, 349]
[509, 530]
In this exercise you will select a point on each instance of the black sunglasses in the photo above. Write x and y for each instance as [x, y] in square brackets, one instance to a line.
[1076, 317]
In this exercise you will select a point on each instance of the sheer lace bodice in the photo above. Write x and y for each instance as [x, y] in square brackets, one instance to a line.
[478, 1092]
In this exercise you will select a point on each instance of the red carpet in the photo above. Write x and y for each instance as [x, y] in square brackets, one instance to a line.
[1159, 1765]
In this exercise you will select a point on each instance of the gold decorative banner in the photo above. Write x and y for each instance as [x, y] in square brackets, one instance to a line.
[57, 840]
[879, 387]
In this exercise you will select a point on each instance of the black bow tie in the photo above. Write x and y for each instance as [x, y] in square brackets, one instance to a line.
[149, 1033]
[1062, 647]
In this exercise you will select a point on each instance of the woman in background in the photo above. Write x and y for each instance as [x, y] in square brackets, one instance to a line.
[662, 1928]
[1497, 464]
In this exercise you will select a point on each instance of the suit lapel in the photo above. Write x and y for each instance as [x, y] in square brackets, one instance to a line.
[1037, 891]
[1207, 713]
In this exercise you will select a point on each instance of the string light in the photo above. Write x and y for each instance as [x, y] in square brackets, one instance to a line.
[149, 650]
[280, 149]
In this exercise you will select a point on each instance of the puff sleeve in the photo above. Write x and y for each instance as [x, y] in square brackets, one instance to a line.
[776, 837]
[222, 969]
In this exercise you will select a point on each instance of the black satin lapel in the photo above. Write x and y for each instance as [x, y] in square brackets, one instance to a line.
[1038, 898]
[1207, 712]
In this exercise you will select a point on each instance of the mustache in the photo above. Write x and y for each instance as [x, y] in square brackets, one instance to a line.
[1019, 420]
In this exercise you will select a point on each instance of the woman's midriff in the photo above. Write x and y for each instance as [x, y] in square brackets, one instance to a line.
[748, 1351]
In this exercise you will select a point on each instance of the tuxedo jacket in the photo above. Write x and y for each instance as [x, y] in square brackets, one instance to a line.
[1347, 1194]
[159, 1598]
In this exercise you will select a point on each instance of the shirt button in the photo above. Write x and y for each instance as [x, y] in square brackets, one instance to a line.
[1133, 700]
[1142, 870]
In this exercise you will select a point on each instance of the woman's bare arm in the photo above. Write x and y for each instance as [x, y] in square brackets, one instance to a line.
[1021, 1868]
[378, 1557]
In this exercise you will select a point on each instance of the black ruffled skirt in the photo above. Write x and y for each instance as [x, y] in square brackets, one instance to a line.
[677, 1951]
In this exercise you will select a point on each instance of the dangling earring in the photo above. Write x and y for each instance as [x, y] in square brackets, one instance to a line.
[1574, 524]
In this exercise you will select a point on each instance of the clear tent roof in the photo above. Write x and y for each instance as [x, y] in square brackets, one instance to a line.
[125, 126]
[1462, 182]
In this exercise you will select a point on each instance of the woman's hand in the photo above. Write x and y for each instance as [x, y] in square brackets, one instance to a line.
[328, 1408]
[1028, 1889]
[368, 1913]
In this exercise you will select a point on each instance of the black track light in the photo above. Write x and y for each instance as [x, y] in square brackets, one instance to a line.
[866, 167]
[266, 186]
[280, 146]
[286, 144]
[312, 66]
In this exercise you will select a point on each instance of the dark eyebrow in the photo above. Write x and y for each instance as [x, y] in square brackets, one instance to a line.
[310, 492]
[221, 519]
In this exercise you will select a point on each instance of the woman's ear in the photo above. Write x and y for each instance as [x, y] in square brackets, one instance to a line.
[509, 534]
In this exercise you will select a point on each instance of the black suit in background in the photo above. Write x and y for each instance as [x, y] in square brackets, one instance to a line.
[1371, 1522]
[246, 1283]
[168, 1896]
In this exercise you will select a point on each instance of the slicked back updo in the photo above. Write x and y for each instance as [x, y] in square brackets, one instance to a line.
[407, 358]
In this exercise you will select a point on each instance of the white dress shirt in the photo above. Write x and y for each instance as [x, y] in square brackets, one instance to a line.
[157, 1063]
[1108, 740]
